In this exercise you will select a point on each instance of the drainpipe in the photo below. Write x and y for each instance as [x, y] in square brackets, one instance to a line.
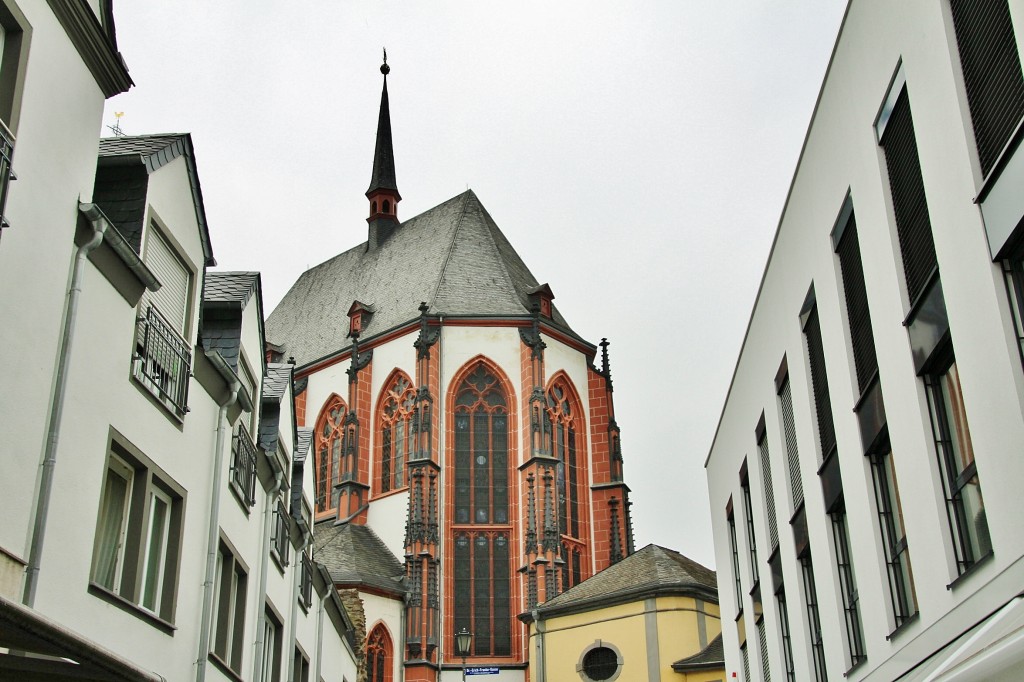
[268, 509]
[320, 629]
[213, 536]
[99, 227]
[296, 586]
[541, 669]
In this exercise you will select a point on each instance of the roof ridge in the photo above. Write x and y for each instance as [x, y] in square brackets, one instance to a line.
[451, 247]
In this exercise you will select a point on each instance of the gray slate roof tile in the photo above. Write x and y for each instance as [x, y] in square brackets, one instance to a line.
[120, 192]
[651, 569]
[452, 256]
[229, 286]
[276, 381]
[711, 656]
[355, 555]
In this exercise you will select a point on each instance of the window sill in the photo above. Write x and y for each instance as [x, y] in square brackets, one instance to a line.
[853, 668]
[240, 498]
[224, 667]
[903, 627]
[134, 609]
[154, 397]
[970, 571]
[277, 561]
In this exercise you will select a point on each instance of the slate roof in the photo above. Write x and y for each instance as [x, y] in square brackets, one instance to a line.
[229, 286]
[276, 381]
[355, 555]
[153, 152]
[304, 436]
[120, 192]
[651, 570]
[383, 176]
[452, 256]
[710, 657]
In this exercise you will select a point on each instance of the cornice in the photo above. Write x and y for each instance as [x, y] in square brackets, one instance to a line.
[93, 44]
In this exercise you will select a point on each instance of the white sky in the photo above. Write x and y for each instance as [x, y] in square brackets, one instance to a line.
[636, 154]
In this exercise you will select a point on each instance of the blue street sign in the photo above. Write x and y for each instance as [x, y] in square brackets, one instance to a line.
[481, 671]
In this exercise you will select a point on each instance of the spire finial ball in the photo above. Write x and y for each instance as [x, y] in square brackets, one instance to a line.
[385, 69]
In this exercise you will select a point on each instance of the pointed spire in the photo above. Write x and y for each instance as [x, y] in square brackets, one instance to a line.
[383, 192]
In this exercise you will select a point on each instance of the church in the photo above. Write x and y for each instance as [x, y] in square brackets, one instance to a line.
[465, 449]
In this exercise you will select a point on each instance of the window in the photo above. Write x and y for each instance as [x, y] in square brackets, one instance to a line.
[270, 671]
[378, 655]
[481, 529]
[762, 640]
[848, 586]
[766, 481]
[330, 433]
[787, 643]
[813, 618]
[163, 358]
[748, 511]
[848, 248]
[306, 582]
[231, 581]
[14, 41]
[965, 507]
[138, 533]
[397, 432]
[243, 466]
[894, 540]
[819, 382]
[600, 663]
[745, 657]
[992, 74]
[281, 540]
[796, 485]
[561, 423]
[300, 667]
[731, 520]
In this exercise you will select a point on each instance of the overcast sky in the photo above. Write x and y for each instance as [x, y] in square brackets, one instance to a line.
[636, 154]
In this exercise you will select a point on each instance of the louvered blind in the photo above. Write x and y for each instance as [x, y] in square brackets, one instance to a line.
[792, 452]
[769, 496]
[762, 639]
[864, 359]
[992, 73]
[172, 297]
[913, 223]
[819, 383]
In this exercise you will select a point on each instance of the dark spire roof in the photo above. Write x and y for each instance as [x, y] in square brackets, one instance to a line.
[384, 154]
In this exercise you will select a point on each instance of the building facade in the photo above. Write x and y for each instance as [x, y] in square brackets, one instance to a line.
[864, 475]
[467, 457]
[158, 504]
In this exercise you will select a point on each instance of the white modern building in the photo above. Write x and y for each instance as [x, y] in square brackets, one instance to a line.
[865, 475]
[157, 501]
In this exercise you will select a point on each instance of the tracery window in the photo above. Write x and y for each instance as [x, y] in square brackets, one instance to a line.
[396, 432]
[329, 434]
[481, 527]
[378, 655]
[562, 423]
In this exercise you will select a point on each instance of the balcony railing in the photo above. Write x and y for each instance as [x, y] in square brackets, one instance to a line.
[281, 540]
[306, 581]
[162, 360]
[6, 174]
[243, 465]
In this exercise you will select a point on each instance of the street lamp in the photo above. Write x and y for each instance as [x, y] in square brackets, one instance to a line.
[463, 640]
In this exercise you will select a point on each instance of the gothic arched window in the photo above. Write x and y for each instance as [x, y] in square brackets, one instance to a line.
[481, 530]
[396, 410]
[565, 428]
[378, 655]
[329, 433]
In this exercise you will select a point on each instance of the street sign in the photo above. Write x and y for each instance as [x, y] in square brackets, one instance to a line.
[481, 671]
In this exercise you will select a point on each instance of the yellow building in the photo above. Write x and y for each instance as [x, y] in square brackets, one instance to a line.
[652, 616]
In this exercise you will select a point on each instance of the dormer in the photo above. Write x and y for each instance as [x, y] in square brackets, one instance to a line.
[359, 315]
[541, 297]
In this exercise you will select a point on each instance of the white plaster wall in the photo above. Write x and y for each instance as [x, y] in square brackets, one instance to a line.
[338, 660]
[387, 517]
[842, 153]
[389, 611]
[320, 387]
[55, 160]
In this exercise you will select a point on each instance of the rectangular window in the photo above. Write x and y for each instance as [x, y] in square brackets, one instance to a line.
[138, 533]
[894, 539]
[243, 466]
[300, 667]
[748, 510]
[272, 638]
[848, 587]
[787, 642]
[819, 382]
[281, 538]
[964, 504]
[766, 479]
[306, 582]
[735, 557]
[163, 359]
[859, 317]
[229, 601]
[813, 619]
[992, 74]
[796, 485]
[745, 655]
[14, 41]
[762, 640]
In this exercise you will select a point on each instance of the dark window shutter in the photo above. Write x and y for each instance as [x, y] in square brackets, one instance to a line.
[819, 383]
[864, 358]
[992, 73]
[913, 223]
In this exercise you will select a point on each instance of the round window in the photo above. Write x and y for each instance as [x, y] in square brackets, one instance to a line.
[600, 663]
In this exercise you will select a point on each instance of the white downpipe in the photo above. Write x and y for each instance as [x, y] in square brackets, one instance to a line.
[261, 614]
[296, 586]
[49, 464]
[213, 534]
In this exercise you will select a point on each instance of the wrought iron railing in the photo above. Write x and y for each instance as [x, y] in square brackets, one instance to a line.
[6, 174]
[281, 539]
[162, 360]
[243, 465]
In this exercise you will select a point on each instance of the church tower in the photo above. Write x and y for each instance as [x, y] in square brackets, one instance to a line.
[467, 458]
